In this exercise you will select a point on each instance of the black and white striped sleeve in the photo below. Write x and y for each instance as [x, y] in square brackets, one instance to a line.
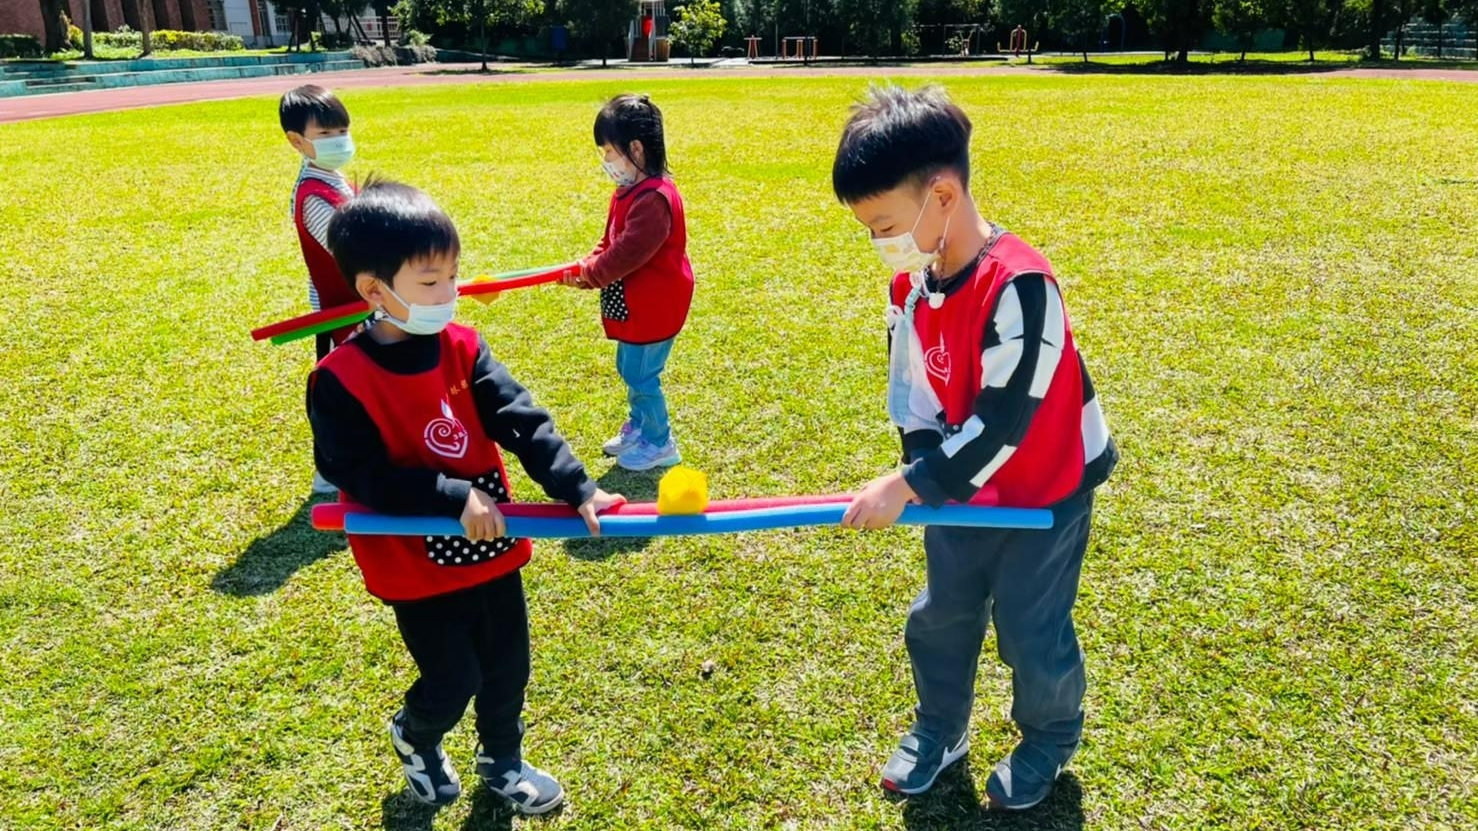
[316, 215]
[1022, 346]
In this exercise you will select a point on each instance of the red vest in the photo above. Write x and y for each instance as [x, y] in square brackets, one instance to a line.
[322, 270]
[656, 296]
[1048, 466]
[429, 420]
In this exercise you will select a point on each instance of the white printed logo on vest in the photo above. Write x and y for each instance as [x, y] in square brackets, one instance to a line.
[446, 436]
[936, 361]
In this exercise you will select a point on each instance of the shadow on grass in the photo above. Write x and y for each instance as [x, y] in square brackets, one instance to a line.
[1249, 67]
[636, 487]
[953, 804]
[402, 812]
[267, 564]
[488, 72]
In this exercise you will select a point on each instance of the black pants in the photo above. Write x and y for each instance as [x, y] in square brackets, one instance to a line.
[325, 342]
[473, 643]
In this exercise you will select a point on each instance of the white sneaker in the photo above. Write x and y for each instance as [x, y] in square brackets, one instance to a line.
[322, 486]
[645, 456]
[627, 438]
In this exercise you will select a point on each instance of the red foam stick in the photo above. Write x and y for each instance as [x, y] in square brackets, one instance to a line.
[330, 515]
[499, 282]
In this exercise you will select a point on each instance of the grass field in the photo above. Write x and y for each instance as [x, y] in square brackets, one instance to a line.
[1272, 279]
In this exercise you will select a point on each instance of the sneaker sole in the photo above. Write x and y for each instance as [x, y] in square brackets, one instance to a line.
[520, 808]
[666, 462]
[616, 452]
[950, 757]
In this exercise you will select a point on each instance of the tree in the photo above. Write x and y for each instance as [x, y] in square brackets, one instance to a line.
[1309, 18]
[339, 9]
[698, 27]
[598, 21]
[1436, 13]
[1029, 14]
[1179, 24]
[475, 14]
[51, 21]
[876, 27]
[1242, 19]
[1077, 20]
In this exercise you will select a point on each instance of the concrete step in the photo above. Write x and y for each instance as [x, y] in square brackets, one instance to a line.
[111, 75]
[57, 89]
[62, 80]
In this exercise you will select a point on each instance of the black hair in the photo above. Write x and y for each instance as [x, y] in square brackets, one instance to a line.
[386, 226]
[897, 137]
[627, 118]
[311, 103]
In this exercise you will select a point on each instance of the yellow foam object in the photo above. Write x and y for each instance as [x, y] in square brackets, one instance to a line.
[682, 491]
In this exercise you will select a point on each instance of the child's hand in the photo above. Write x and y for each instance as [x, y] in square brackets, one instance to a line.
[577, 279]
[879, 504]
[600, 502]
[481, 519]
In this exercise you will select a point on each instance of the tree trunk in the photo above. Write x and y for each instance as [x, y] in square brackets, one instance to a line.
[1439, 41]
[1377, 22]
[145, 12]
[1183, 56]
[384, 11]
[1396, 53]
[51, 20]
[87, 29]
[482, 36]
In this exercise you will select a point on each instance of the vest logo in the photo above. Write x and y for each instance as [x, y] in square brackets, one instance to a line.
[936, 361]
[446, 436]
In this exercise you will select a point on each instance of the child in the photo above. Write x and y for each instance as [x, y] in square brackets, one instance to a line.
[641, 268]
[408, 417]
[317, 126]
[985, 386]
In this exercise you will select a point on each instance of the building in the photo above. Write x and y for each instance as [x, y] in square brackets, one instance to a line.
[23, 17]
[258, 22]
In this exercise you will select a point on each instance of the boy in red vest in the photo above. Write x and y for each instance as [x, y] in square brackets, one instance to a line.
[409, 416]
[984, 386]
[317, 126]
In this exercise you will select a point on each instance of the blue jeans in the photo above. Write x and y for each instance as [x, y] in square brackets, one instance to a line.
[640, 366]
[1024, 581]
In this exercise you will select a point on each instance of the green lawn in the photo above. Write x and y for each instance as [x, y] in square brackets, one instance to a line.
[1272, 279]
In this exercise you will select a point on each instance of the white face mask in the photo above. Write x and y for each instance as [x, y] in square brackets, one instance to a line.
[421, 319]
[333, 152]
[623, 174]
[902, 254]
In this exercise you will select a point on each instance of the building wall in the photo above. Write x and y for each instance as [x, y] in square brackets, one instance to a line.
[23, 17]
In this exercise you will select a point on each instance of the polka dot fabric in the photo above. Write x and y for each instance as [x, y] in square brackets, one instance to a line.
[613, 302]
[460, 551]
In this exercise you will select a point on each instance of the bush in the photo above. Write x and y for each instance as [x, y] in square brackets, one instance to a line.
[415, 38]
[378, 55]
[124, 38]
[19, 46]
[74, 36]
[168, 40]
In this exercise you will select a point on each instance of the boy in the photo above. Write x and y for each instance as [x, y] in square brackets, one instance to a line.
[316, 124]
[408, 417]
[985, 386]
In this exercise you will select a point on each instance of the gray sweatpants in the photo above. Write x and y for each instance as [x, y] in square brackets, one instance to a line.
[1025, 581]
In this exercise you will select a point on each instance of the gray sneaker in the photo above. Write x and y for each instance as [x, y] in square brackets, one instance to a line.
[625, 439]
[428, 772]
[645, 456]
[1025, 778]
[529, 790]
[918, 761]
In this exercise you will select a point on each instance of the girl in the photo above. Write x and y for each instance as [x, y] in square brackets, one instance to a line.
[641, 268]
